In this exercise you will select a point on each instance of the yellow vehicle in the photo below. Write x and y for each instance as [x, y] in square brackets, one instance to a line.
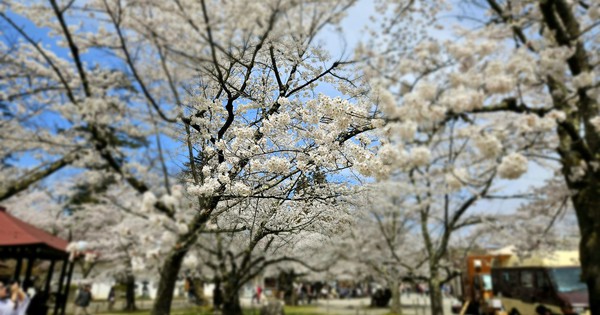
[550, 282]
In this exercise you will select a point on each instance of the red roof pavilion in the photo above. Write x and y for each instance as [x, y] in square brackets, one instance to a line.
[21, 239]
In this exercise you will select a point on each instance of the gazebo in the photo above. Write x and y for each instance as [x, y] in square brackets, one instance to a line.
[24, 242]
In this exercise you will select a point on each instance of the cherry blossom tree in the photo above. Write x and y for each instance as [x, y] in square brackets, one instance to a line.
[543, 223]
[443, 164]
[272, 233]
[526, 67]
[236, 83]
[40, 208]
[257, 128]
[441, 170]
[383, 238]
[114, 234]
[388, 237]
[53, 106]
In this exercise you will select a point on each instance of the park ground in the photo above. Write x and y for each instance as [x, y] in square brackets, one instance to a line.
[412, 304]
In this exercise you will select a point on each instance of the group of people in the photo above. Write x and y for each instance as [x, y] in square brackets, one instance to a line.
[15, 301]
[307, 292]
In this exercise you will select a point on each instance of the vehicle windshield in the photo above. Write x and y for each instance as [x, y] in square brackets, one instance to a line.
[568, 279]
[487, 282]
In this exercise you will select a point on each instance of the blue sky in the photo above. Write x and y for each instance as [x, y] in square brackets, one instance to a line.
[352, 27]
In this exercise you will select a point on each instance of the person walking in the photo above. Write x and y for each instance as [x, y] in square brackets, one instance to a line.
[256, 296]
[111, 298]
[190, 290]
[83, 300]
[217, 295]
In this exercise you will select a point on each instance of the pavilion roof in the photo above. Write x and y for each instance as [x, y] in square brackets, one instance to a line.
[21, 239]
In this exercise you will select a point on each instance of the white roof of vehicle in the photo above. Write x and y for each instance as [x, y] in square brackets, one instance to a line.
[552, 259]
[508, 250]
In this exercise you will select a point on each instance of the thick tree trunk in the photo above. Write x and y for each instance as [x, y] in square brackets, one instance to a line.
[435, 297]
[396, 305]
[231, 305]
[563, 22]
[130, 293]
[587, 206]
[166, 285]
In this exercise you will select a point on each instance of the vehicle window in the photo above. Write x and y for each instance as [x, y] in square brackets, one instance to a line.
[568, 279]
[527, 278]
[512, 278]
[505, 277]
[487, 282]
[540, 280]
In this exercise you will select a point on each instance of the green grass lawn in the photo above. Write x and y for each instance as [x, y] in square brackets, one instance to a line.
[301, 310]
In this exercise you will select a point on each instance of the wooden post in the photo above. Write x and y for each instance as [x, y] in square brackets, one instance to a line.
[49, 277]
[59, 297]
[18, 268]
[27, 281]
[67, 287]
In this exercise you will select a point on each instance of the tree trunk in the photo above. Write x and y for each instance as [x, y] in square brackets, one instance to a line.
[587, 206]
[130, 293]
[435, 296]
[396, 305]
[231, 305]
[286, 285]
[166, 285]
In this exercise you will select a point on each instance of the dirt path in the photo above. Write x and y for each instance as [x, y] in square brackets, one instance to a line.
[412, 304]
